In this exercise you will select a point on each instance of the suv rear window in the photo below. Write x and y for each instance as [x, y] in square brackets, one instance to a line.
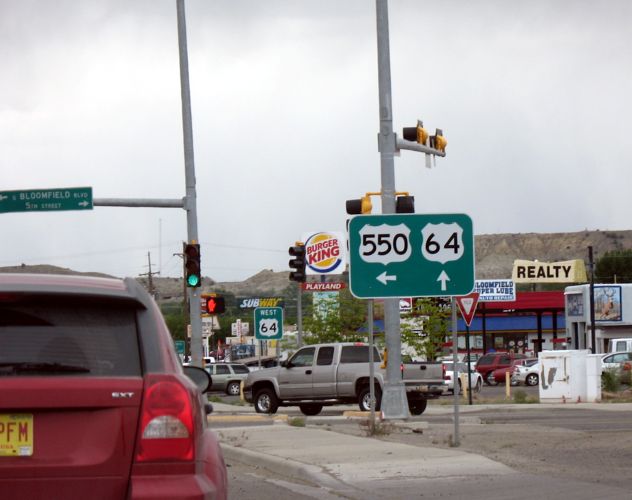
[240, 369]
[48, 335]
[357, 354]
[487, 359]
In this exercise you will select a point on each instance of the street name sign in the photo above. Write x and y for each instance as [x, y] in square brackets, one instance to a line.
[45, 200]
[411, 255]
[269, 323]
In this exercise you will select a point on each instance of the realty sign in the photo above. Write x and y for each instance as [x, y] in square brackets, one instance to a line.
[467, 306]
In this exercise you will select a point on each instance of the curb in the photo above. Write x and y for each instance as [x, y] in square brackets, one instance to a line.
[284, 466]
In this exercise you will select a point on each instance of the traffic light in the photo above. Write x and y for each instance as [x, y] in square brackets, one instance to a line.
[193, 273]
[215, 305]
[360, 206]
[438, 142]
[298, 262]
[405, 205]
[416, 134]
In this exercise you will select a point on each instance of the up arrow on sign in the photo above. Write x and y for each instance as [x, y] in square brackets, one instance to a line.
[467, 306]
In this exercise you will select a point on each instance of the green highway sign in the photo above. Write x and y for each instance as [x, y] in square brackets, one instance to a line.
[180, 346]
[45, 200]
[268, 323]
[411, 255]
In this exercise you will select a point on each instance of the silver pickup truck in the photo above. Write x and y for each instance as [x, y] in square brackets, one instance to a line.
[328, 374]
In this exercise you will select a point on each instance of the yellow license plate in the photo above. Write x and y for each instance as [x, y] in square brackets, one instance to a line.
[16, 434]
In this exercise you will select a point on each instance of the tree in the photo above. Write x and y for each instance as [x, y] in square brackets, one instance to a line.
[615, 267]
[337, 318]
[425, 328]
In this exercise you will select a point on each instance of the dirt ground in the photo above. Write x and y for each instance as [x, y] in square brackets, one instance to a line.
[600, 455]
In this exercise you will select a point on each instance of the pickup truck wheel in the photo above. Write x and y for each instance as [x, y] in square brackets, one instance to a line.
[532, 379]
[364, 399]
[310, 408]
[417, 406]
[266, 401]
[233, 389]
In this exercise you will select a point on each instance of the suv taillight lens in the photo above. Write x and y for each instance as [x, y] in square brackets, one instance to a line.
[166, 421]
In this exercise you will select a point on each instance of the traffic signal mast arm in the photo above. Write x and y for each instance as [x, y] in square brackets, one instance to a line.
[418, 139]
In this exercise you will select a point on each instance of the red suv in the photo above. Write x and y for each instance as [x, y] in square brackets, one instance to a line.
[94, 401]
[493, 361]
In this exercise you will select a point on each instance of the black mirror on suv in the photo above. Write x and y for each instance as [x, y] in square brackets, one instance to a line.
[200, 377]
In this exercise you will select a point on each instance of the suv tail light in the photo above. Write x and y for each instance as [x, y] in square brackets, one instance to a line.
[166, 421]
[445, 376]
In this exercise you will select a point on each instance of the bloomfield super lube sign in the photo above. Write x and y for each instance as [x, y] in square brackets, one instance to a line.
[44, 200]
[411, 255]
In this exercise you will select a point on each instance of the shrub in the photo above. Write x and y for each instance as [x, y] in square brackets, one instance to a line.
[610, 381]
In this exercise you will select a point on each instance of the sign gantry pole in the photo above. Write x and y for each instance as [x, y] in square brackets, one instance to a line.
[394, 403]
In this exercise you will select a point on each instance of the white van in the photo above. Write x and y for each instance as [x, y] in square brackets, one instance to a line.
[620, 345]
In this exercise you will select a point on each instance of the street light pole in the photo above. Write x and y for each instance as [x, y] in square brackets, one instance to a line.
[394, 402]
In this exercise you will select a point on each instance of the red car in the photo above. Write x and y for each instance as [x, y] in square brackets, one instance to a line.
[493, 361]
[94, 403]
[499, 374]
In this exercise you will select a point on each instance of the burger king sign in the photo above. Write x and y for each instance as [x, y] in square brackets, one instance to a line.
[324, 253]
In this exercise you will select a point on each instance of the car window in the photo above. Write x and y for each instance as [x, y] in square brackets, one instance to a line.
[325, 356]
[487, 359]
[357, 354]
[43, 335]
[504, 359]
[304, 357]
[222, 370]
[240, 369]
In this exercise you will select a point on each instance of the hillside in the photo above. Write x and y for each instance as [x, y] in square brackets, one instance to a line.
[495, 254]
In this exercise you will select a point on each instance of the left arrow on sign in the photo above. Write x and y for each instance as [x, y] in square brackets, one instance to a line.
[385, 278]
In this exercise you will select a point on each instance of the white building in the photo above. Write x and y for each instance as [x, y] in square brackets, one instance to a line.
[612, 314]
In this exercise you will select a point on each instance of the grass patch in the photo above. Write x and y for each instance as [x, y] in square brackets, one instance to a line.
[610, 381]
[296, 421]
[215, 399]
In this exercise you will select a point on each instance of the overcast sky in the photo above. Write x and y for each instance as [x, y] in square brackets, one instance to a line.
[533, 97]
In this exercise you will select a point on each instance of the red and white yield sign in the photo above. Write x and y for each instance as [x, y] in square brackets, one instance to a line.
[467, 306]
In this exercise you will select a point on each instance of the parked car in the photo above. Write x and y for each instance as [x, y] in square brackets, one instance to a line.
[476, 378]
[615, 360]
[227, 377]
[494, 360]
[527, 374]
[90, 377]
[499, 375]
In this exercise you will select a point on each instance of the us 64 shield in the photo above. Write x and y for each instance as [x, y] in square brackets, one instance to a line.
[404, 255]
[268, 323]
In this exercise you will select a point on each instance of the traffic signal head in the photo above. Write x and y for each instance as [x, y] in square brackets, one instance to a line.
[193, 273]
[416, 134]
[440, 142]
[298, 262]
[360, 206]
[405, 205]
[215, 305]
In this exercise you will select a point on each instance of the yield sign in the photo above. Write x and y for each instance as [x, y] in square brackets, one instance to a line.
[467, 306]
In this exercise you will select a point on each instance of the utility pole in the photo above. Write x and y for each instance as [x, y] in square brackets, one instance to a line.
[591, 265]
[150, 282]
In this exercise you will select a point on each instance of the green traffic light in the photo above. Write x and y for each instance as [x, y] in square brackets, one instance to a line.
[193, 280]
